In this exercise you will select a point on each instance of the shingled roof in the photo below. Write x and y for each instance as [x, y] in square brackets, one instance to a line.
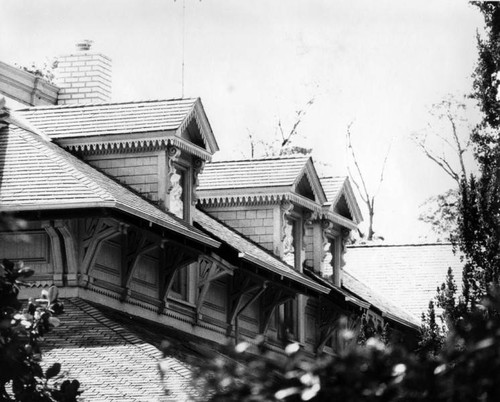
[340, 196]
[268, 179]
[332, 186]
[386, 306]
[407, 275]
[39, 175]
[251, 173]
[112, 362]
[252, 252]
[109, 121]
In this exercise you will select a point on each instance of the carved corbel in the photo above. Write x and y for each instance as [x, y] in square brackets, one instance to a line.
[286, 208]
[173, 154]
[198, 166]
[344, 239]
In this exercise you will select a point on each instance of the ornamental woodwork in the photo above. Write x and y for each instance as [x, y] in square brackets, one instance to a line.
[95, 232]
[198, 166]
[241, 287]
[172, 258]
[210, 270]
[134, 244]
[173, 154]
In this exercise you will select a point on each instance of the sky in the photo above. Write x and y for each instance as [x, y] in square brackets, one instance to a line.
[377, 65]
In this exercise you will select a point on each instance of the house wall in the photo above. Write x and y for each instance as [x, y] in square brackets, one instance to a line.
[260, 223]
[138, 170]
[31, 246]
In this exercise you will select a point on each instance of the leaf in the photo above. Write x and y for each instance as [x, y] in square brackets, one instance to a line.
[53, 370]
[55, 322]
[25, 272]
[52, 294]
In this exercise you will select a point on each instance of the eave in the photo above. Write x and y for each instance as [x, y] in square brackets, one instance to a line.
[112, 143]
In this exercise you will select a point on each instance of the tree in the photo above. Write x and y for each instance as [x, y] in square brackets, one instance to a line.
[21, 376]
[440, 213]
[284, 141]
[368, 197]
[478, 232]
[446, 142]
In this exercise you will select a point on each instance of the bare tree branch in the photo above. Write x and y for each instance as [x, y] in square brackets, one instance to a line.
[384, 164]
[300, 115]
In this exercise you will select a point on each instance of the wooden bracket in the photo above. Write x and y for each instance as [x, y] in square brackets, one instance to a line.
[95, 233]
[172, 258]
[245, 287]
[272, 298]
[135, 243]
[210, 271]
[56, 252]
[70, 250]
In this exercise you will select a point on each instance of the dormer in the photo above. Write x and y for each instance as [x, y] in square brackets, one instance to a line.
[157, 148]
[341, 214]
[268, 200]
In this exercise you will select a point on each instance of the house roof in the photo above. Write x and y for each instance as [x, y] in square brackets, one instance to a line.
[387, 307]
[252, 252]
[268, 179]
[332, 186]
[336, 188]
[39, 175]
[102, 125]
[251, 173]
[112, 362]
[408, 275]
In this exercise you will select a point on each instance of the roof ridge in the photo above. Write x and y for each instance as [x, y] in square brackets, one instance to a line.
[262, 159]
[85, 105]
[333, 177]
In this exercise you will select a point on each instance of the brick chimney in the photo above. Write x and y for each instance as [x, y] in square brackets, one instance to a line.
[84, 76]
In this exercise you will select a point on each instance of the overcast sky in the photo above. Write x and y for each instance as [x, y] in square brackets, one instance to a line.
[378, 64]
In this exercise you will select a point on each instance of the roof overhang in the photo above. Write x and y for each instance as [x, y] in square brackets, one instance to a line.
[186, 231]
[120, 143]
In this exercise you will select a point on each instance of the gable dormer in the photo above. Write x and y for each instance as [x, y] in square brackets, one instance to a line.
[156, 148]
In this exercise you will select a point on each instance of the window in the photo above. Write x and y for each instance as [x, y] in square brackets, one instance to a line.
[179, 284]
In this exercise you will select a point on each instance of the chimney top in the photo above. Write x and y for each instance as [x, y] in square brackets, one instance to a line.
[84, 45]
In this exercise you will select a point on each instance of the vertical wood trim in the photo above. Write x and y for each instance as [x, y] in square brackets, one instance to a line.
[162, 179]
[56, 253]
[70, 249]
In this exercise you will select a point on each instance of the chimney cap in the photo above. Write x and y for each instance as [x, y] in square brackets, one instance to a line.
[84, 44]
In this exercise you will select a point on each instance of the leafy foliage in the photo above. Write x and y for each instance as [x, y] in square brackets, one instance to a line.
[441, 212]
[44, 71]
[465, 369]
[21, 376]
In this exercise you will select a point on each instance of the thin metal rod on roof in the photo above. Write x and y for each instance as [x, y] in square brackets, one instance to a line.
[183, 43]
